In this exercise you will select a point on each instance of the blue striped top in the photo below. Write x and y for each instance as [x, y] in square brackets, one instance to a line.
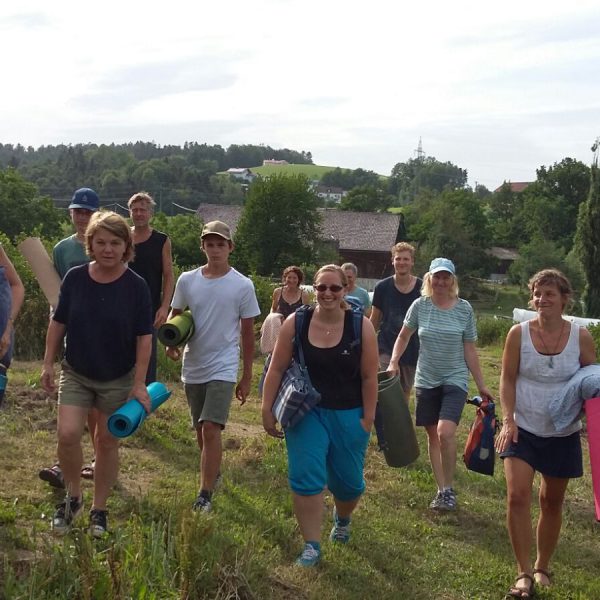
[442, 333]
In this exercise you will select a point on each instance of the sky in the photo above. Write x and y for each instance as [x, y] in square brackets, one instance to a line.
[498, 89]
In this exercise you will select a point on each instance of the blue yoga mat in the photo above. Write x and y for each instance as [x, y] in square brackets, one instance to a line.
[125, 421]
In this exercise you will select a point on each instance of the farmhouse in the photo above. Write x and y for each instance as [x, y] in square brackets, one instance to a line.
[362, 238]
[242, 174]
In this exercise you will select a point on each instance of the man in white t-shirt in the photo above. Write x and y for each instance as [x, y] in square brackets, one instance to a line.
[223, 305]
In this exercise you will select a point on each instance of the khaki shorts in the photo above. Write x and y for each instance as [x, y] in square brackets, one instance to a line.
[107, 396]
[407, 373]
[209, 401]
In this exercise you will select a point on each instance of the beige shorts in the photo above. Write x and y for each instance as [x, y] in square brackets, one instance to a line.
[107, 396]
[209, 401]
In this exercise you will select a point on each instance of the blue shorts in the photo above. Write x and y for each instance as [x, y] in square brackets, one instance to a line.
[327, 448]
[551, 456]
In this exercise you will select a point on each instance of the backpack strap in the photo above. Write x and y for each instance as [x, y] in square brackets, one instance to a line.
[357, 323]
[299, 320]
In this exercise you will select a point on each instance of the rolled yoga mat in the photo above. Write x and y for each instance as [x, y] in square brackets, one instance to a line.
[400, 446]
[178, 330]
[125, 421]
[592, 417]
[35, 254]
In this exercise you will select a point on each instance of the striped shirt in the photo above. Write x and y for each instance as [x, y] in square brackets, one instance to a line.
[442, 334]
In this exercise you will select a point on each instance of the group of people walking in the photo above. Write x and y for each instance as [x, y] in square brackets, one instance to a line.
[117, 289]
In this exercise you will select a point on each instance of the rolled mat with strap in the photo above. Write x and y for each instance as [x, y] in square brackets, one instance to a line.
[592, 417]
[125, 421]
[400, 447]
[178, 330]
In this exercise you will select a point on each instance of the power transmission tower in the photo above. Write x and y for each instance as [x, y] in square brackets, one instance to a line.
[420, 154]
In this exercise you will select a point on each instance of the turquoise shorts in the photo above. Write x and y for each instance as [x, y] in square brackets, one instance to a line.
[327, 449]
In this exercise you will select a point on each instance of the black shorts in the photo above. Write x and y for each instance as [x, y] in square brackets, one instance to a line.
[551, 456]
[445, 402]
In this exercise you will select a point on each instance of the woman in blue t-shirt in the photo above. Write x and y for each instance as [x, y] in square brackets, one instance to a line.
[104, 309]
[447, 336]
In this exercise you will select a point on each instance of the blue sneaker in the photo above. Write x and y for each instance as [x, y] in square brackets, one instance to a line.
[310, 556]
[339, 533]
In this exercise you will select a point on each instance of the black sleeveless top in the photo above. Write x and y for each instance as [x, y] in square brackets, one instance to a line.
[147, 263]
[335, 372]
[285, 308]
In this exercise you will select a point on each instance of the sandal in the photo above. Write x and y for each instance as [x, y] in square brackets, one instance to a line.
[87, 472]
[546, 574]
[519, 592]
[53, 475]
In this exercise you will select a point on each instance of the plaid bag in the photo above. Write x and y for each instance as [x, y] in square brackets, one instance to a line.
[296, 395]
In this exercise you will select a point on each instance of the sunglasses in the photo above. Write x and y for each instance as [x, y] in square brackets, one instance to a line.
[335, 288]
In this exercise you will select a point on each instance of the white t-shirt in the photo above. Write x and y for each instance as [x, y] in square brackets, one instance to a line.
[217, 306]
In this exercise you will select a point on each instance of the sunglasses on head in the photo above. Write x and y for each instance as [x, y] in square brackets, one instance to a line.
[335, 288]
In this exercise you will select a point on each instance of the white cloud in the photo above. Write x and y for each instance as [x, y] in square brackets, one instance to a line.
[497, 89]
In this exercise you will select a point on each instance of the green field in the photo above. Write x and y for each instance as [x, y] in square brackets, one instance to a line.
[158, 549]
[310, 171]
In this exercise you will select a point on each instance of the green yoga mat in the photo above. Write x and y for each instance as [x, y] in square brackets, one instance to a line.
[400, 447]
[178, 330]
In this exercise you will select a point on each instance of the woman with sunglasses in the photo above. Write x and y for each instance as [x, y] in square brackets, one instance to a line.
[326, 449]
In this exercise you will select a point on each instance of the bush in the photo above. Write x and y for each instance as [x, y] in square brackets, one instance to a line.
[595, 331]
[492, 330]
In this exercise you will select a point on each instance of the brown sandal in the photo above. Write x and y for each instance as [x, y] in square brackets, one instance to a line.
[546, 574]
[518, 592]
[53, 475]
[87, 472]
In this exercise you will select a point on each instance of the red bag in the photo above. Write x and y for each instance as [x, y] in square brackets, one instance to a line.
[479, 454]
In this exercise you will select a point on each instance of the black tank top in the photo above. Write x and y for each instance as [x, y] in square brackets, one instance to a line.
[147, 263]
[335, 372]
[285, 308]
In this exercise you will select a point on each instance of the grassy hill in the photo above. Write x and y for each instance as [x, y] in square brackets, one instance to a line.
[311, 171]
[245, 548]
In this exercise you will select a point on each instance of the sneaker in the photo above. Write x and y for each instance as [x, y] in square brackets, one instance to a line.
[339, 533]
[65, 513]
[98, 526]
[448, 499]
[310, 556]
[437, 501]
[202, 503]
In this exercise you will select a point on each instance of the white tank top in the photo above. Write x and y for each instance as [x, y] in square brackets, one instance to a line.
[540, 377]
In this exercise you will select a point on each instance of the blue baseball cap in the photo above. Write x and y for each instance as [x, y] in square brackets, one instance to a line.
[442, 264]
[85, 198]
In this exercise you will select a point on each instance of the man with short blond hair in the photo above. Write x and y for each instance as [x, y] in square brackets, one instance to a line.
[392, 298]
[152, 262]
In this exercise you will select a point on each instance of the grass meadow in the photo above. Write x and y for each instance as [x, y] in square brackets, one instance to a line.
[159, 549]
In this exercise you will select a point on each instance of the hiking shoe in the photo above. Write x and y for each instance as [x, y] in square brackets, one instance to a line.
[98, 526]
[339, 533]
[448, 499]
[202, 503]
[53, 475]
[65, 513]
[437, 501]
[310, 556]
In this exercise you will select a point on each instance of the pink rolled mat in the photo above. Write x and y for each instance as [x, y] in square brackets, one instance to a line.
[592, 416]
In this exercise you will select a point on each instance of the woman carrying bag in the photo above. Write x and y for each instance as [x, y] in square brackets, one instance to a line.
[327, 447]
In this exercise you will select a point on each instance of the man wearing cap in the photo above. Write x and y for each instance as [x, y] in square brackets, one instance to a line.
[69, 253]
[223, 305]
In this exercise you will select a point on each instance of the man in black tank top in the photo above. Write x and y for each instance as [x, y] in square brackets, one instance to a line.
[152, 262]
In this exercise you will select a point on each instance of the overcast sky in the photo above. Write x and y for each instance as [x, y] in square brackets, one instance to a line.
[496, 88]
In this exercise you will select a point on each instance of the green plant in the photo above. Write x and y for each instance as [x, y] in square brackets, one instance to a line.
[492, 330]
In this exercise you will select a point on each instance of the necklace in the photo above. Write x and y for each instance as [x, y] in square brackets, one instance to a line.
[551, 354]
